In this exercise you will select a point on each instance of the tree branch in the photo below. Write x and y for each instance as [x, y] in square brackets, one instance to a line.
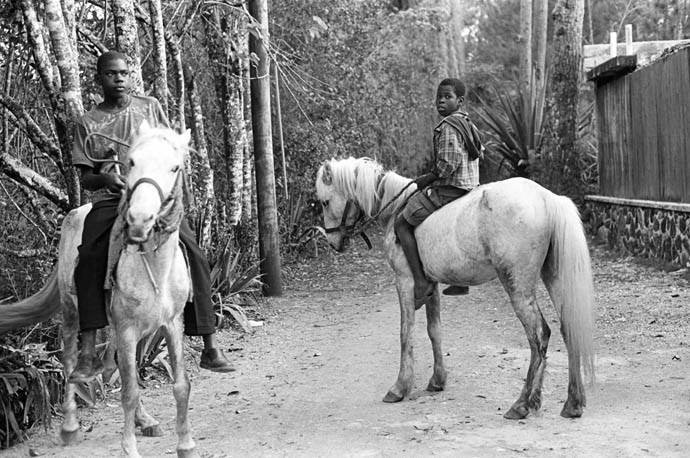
[23, 119]
[20, 173]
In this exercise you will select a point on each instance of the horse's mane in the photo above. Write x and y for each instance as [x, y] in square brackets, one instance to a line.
[364, 181]
[391, 185]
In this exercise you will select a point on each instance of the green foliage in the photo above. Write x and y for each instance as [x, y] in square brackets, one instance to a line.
[301, 232]
[514, 125]
[652, 20]
[30, 382]
[235, 286]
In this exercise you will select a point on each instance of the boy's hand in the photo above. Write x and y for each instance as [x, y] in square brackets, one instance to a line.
[425, 180]
[113, 181]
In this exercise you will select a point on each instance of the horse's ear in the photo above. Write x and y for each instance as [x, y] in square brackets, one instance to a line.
[144, 127]
[185, 137]
[327, 175]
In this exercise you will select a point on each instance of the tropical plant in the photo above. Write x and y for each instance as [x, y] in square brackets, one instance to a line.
[515, 128]
[30, 382]
[234, 286]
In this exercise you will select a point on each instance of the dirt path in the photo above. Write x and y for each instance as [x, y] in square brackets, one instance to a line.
[310, 381]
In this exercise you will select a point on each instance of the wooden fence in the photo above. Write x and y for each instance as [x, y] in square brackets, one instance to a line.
[644, 131]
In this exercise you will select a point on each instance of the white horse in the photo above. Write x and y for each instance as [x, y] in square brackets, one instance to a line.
[151, 286]
[514, 230]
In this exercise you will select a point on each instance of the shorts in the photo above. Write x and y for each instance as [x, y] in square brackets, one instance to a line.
[422, 204]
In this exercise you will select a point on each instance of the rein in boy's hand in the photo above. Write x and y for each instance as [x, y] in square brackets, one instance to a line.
[425, 180]
[114, 182]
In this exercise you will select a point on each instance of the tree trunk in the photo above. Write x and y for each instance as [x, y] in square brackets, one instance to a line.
[179, 115]
[204, 172]
[539, 27]
[38, 48]
[558, 155]
[525, 42]
[590, 30]
[70, 106]
[248, 191]
[456, 40]
[269, 249]
[160, 66]
[127, 39]
[222, 32]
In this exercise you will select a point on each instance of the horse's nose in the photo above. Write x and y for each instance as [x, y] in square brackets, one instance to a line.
[138, 219]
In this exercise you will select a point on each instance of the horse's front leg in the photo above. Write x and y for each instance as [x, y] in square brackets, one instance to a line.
[69, 431]
[433, 329]
[403, 385]
[181, 388]
[126, 358]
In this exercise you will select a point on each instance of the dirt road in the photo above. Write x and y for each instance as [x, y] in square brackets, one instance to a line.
[310, 380]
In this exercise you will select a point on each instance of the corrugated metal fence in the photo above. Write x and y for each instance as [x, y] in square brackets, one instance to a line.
[644, 132]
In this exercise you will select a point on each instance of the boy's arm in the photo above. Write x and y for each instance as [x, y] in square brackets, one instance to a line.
[90, 179]
[450, 151]
[93, 181]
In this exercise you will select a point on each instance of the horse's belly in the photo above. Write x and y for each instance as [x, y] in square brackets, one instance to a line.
[451, 251]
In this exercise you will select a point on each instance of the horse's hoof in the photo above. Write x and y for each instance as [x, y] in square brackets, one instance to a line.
[392, 397]
[432, 386]
[570, 411]
[70, 437]
[152, 431]
[190, 453]
[514, 413]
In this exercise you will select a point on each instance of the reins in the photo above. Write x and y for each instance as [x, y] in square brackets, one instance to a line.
[353, 229]
[103, 161]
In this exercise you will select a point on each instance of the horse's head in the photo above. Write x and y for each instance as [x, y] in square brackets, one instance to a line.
[156, 160]
[340, 212]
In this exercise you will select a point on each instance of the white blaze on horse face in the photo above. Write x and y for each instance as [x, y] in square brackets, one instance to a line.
[157, 160]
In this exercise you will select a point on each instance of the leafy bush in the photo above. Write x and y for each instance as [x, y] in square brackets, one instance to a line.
[515, 128]
[31, 382]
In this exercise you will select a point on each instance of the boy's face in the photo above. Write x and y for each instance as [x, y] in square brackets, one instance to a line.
[447, 101]
[114, 78]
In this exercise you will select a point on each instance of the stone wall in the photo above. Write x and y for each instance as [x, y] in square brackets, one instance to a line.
[659, 230]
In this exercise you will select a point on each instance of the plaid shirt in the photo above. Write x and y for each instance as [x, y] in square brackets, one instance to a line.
[451, 162]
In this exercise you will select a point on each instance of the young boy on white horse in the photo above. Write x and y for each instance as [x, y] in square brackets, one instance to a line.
[457, 148]
[119, 117]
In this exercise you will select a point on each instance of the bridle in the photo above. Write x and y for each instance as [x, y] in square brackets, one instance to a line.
[346, 231]
[167, 221]
[352, 229]
[163, 224]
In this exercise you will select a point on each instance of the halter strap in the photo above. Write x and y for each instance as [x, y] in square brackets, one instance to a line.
[347, 230]
[150, 181]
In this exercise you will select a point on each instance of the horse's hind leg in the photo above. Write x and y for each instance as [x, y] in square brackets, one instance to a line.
[433, 329]
[574, 405]
[181, 388]
[70, 432]
[150, 427]
[538, 334]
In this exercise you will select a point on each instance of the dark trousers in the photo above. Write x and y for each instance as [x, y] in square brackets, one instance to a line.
[89, 275]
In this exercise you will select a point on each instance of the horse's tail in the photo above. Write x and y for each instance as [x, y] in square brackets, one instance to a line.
[572, 268]
[34, 309]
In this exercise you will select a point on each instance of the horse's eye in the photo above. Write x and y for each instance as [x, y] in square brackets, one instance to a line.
[131, 163]
[176, 169]
[324, 203]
